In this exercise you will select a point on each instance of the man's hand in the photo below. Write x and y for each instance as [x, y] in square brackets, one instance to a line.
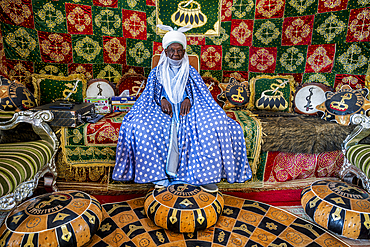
[166, 106]
[185, 107]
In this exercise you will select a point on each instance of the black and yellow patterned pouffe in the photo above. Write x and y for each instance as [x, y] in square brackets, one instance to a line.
[66, 218]
[183, 208]
[339, 207]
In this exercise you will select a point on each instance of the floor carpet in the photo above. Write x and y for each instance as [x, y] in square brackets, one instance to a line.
[243, 223]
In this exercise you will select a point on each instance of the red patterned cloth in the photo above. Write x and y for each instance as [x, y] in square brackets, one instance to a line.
[150, 2]
[134, 24]
[79, 19]
[19, 70]
[282, 167]
[266, 9]
[211, 57]
[239, 75]
[196, 40]
[226, 10]
[105, 131]
[77, 68]
[17, 13]
[262, 59]
[241, 32]
[297, 30]
[331, 5]
[55, 47]
[106, 3]
[320, 58]
[354, 81]
[359, 25]
[114, 50]
[157, 48]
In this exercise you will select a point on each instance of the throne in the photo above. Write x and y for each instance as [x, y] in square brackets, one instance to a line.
[23, 163]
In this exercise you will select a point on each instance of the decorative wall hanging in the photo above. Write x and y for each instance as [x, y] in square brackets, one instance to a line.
[203, 15]
[235, 94]
[308, 96]
[339, 106]
[272, 93]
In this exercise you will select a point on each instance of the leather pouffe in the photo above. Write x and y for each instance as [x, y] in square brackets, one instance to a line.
[339, 207]
[66, 218]
[183, 208]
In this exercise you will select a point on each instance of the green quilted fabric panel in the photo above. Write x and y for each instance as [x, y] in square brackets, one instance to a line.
[359, 155]
[17, 167]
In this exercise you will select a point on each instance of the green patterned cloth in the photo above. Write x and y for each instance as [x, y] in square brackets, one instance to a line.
[235, 58]
[330, 27]
[50, 16]
[87, 49]
[17, 167]
[107, 21]
[292, 59]
[51, 69]
[243, 9]
[110, 72]
[139, 53]
[138, 5]
[324, 78]
[300, 8]
[267, 33]
[358, 155]
[20, 43]
[352, 58]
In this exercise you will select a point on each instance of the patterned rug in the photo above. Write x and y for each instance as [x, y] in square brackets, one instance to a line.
[243, 223]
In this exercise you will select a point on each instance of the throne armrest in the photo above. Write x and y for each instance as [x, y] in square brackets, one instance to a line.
[354, 162]
[361, 131]
[40, 157]
[38, 120]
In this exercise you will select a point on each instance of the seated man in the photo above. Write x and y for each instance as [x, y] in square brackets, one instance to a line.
[176, 132]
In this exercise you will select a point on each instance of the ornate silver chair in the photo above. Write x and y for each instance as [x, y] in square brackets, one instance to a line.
[356, 167]
[22, 164]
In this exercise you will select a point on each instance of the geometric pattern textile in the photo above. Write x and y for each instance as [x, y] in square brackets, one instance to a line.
[315, 40]
[242, 223]
[67, 218]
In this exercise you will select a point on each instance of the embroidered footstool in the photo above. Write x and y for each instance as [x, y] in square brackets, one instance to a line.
[183, 208]
[339, 207]
[67, 218]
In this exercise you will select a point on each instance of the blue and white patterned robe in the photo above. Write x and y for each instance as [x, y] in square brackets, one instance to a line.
[211, 145]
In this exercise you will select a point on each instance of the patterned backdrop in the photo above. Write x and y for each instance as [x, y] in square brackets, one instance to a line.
[323, 41]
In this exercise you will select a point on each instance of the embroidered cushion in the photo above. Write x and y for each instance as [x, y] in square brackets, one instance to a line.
[339, 207]
[17, 167]
[14, 96]
[66, 218]
[49, 88]
[272, 93]
[359, 156]
[234, 94]
[183, 208]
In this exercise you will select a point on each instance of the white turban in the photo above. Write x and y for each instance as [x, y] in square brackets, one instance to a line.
[174, 36]
[174, 87]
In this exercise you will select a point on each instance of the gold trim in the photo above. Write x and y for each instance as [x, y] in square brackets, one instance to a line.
[257, 152]
[251, 104]
[37, 78]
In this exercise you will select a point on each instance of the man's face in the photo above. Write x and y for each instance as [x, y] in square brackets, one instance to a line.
[175, 51]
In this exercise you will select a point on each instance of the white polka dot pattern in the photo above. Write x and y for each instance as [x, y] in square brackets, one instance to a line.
[211, 145]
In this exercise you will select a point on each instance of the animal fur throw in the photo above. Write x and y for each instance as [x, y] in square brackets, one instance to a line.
[301, 133]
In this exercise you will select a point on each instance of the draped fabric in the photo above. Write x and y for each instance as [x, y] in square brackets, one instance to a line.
[211, 145]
